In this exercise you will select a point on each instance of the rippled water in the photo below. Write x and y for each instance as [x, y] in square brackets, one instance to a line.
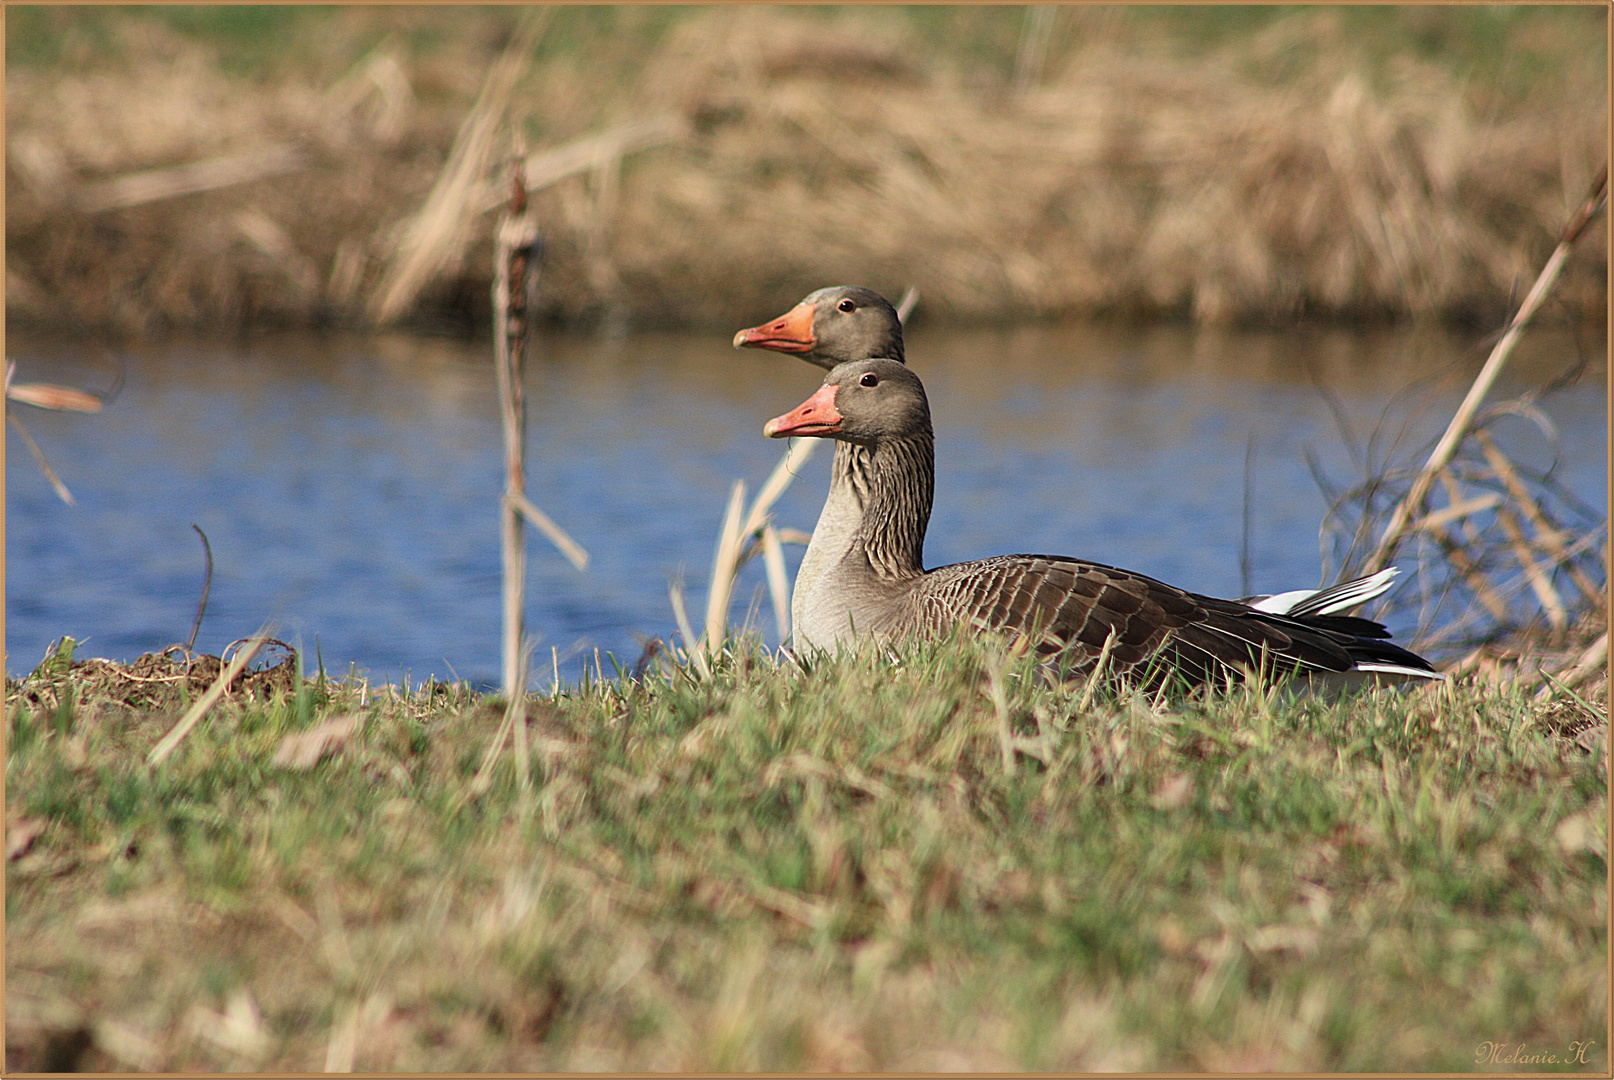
[349, 484]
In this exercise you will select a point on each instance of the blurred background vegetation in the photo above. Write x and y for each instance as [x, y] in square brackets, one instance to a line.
[1225, 164]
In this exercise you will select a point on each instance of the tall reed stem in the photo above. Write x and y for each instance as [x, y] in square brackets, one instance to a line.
[1409, 508]
[516, 255]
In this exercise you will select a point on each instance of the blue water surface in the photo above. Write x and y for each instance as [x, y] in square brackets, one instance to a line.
[349, 485]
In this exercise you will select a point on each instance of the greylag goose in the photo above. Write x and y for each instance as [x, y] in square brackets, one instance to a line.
[1076, 611]
[847, 322]
[830, 327]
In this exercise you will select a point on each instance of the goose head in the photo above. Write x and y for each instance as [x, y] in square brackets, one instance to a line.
[864, 402]
[831, 326]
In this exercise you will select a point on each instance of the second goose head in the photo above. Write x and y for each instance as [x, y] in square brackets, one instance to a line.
[831, 326]
[864, 402]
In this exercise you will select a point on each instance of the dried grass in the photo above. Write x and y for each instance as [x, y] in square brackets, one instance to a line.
[1512, 569]
[153, 683]
[744, 535]
[1235, 184]
[442, 229]
[1484, 549]
[789, 870]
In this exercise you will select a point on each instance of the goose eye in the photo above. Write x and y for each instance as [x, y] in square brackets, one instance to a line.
[846, 305]
[870, 379]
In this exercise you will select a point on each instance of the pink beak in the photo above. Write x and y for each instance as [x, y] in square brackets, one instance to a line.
[815, 416]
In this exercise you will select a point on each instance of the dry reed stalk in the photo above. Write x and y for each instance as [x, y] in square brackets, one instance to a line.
[154, 185]
[547, 167]
[207, 587]
[1457, 511]
[557, 536]
[809, 914]
[344, 1038]
[515, 251]
[1524, 535]
[238, 664]
[382, 72]
[518, 721]
[1592, 659]
[773, 557]
[347, 272]
[437, 235]
[1539, 578]
[1446, 448]
[512, 727]
[49, 395]
[733, 551]
[267, 236]
[39, 457]
[725, 564]
[692, 645]
[1458, 552]
[45, 396]
[1098, 674]
[774, 486]
[905, 305]
[1548, 535]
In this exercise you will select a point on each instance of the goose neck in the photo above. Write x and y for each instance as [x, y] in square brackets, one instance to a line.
[901, 478]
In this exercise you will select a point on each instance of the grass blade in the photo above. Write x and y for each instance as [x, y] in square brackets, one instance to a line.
[243, 657]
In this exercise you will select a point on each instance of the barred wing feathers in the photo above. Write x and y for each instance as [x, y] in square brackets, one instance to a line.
[1072, 607]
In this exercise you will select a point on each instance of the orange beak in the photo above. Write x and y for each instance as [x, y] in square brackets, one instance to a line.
[815, 416]
[791, 332]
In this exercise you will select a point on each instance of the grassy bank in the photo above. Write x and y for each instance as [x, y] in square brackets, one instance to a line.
[1223, 164]
[861, 866]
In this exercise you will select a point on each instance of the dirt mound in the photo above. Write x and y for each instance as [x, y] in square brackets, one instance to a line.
[152, 682]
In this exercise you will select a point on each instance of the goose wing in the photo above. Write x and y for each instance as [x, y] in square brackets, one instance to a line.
[1072, 607]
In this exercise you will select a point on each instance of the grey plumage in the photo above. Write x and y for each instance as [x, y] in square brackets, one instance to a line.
[1071, 609]
[828, 327]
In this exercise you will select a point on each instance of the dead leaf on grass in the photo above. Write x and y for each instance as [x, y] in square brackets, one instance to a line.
[1593, 739]
[1283, 937]
[1581, 832]
[304, 749]
[126, 1044]
[1174, 791]
[21, 834]
[239, 1030]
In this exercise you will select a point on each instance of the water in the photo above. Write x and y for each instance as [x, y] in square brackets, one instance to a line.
[349, 484]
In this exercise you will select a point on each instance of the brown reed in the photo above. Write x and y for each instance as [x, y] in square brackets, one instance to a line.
[755, 153]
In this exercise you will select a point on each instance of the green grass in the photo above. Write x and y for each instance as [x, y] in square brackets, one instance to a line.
[1516, 48]
[249, 39]
[835, 868]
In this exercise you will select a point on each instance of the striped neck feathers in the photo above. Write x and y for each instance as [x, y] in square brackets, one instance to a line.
[900, 478]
